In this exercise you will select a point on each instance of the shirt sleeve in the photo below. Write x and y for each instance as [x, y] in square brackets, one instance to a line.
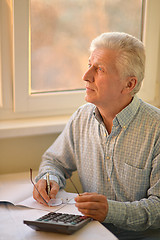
[137, 215]
[59, 159]
[145, 213]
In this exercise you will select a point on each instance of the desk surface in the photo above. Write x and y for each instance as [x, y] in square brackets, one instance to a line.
[11, 218]
[12, 227]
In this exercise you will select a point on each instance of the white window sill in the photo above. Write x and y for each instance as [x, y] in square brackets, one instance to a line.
[30, 127]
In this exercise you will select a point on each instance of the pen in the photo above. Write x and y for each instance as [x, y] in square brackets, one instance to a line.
[48, 183]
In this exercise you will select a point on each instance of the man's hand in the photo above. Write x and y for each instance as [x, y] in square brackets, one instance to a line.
[42, 185]
[92, 205]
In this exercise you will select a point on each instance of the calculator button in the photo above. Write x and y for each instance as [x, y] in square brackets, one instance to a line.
[73, 223]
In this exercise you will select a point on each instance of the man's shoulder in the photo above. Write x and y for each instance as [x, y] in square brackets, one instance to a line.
[150, 116]
[89, 107]
[84, 112]
[150, 110]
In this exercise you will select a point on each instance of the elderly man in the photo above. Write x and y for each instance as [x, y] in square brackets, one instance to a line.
[113, 142]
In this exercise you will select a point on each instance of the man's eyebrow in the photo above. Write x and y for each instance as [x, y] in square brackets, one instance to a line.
[97, 63]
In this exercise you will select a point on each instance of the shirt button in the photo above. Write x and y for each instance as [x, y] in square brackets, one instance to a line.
[108, 157]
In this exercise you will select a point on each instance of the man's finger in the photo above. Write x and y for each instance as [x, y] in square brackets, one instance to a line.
[54, 189]
[42, 194]
[91, 197]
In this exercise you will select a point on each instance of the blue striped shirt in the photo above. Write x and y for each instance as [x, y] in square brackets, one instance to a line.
[123, 165]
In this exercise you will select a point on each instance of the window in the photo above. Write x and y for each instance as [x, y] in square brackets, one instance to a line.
[22, 94]
[61, 32]
[51, 41]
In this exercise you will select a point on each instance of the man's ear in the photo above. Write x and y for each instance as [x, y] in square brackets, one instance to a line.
[130, 85]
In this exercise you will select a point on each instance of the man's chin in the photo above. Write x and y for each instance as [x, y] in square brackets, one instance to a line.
[89, 99]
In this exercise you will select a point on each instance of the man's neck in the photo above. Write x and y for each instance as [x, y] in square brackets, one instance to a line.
[109, 113]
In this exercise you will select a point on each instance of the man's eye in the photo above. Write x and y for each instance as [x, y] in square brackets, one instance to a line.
[100, 69]
[89, 65]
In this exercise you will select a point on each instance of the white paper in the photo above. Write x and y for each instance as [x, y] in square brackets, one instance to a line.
[65, 196]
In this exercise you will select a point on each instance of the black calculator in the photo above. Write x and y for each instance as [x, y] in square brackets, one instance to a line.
[58, 222]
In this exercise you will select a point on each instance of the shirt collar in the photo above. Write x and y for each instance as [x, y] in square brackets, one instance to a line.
[97, 115]
[125, 116]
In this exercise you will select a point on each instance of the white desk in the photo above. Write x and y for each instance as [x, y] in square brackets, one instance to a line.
[11, 217]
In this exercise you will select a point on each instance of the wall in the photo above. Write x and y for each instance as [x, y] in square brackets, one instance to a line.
[21, 153]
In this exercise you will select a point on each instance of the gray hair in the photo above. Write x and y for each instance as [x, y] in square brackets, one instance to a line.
[130, 54]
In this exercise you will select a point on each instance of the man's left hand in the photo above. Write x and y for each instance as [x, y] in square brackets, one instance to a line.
[92, 205]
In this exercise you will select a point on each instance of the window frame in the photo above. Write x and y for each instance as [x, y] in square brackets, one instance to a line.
[151, 27]
[18, 120]
[1, 103]
[56, 102]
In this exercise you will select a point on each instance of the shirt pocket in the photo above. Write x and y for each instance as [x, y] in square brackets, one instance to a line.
[136, 182]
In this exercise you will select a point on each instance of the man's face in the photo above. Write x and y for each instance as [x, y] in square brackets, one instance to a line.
[103, 84]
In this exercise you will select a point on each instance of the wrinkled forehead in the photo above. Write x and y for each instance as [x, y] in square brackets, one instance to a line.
[105, 57]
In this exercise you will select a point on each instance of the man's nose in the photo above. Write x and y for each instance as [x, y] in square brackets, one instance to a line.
[88, 75]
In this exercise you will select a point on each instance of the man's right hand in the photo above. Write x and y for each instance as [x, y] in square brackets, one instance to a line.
[42, 186]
